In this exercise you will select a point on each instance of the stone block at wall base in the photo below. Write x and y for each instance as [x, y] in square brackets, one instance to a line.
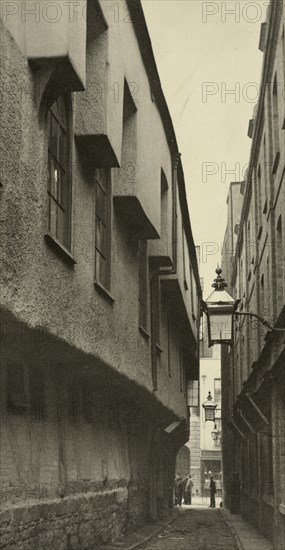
[81, 521]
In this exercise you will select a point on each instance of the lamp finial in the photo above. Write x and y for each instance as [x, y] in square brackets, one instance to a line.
[219, 283]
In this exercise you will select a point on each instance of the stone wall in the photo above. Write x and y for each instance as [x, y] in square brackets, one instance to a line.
[81, 521]
[82, 460]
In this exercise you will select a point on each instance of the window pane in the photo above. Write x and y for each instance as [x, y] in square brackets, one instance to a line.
[102, 179]
[100, 236]
[62, 148]
[59, 176]
[52, 216]
[101, 269]
[217, 389]
[53, 144]
[61, 106]
[193, 393]
[102, 227]
[60, 225]
[54, 109]
[63, 190]
[100, 203]
[53, 177]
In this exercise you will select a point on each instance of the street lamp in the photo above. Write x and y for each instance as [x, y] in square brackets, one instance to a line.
[215, 433]
[209, 406]
[220, 308]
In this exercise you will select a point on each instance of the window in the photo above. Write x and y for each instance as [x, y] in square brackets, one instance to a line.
[143, 284]
[193, 393]
[192, 293]
[164, 205]
[279, 266]
[259, 196]
[217, 390]
[275, 114]
[183, 258]
[266, 166]
[102, 227]
[129, 168]
[59, 180]
[261, 296]
[275, 123]
[155, 326]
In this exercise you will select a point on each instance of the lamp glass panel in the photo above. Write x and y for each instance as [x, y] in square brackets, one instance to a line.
[209, 414]
[220, 327]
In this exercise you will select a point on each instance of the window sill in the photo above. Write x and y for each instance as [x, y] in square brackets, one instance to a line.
[59, 249]
[104, 292]
[144, 332]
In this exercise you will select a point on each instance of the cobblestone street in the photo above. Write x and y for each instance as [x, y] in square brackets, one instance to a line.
[194, 529]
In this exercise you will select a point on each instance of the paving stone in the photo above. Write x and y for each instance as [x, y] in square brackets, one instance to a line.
[194, 528]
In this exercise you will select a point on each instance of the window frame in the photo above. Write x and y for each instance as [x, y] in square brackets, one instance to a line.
[155, 323]
[275, 124]
[64, 205]
[193, 393]
[216, 390]
[143, 285]
[105, 185]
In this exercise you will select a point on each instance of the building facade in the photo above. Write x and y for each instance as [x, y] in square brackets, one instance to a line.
[210, 381]
[205, 452]
[253, 376]
[100, 289]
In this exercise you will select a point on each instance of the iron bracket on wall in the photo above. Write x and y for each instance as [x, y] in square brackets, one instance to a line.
[262, 321]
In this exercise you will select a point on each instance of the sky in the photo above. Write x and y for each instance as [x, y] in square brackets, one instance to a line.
[210, 67]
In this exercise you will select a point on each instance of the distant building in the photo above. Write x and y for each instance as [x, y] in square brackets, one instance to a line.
[253, 375]
[99, 285]
[210, 380]
[205, 453]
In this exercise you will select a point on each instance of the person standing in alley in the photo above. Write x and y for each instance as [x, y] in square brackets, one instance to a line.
[178, 491]
[188, 490]
[212, 493]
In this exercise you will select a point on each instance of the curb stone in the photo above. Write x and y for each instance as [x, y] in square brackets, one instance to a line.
[234, 533]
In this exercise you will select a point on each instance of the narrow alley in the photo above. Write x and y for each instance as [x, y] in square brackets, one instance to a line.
[196, 528]
[142, 280]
